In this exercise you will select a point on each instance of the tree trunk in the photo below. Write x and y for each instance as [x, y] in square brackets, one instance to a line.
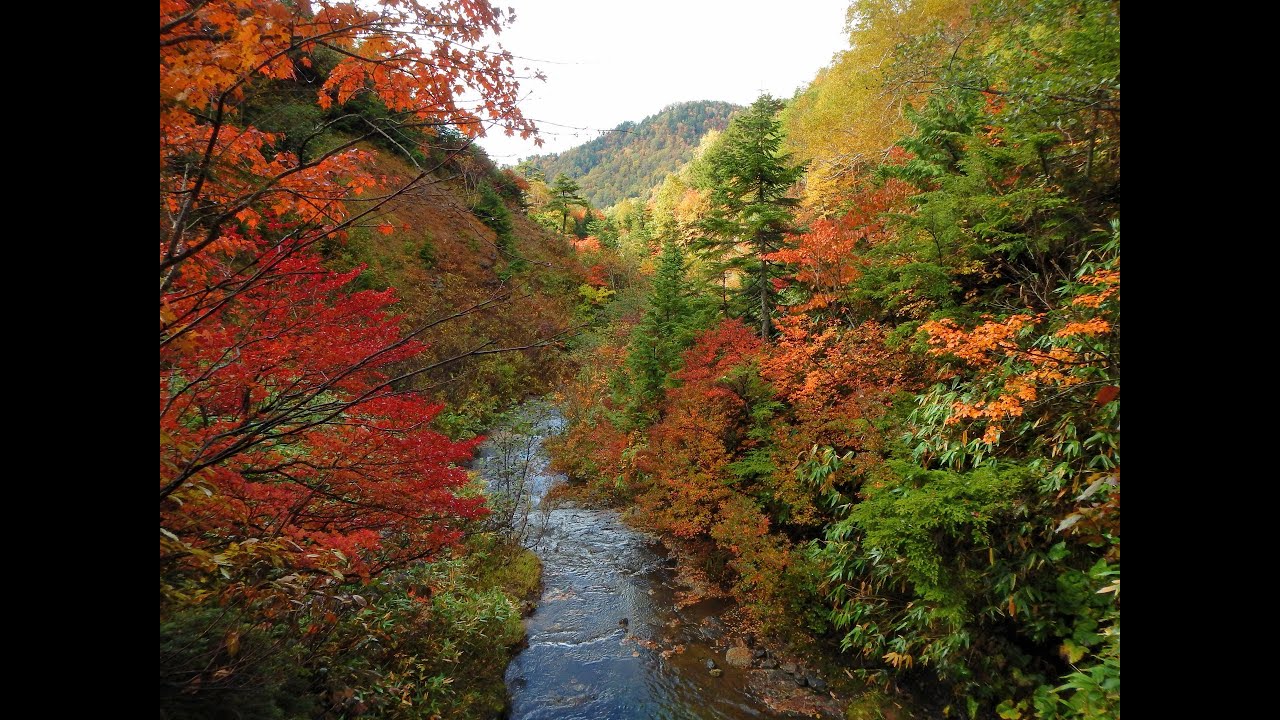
[765, 325]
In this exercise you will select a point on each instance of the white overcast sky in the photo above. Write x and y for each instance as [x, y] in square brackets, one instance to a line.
[607, 61]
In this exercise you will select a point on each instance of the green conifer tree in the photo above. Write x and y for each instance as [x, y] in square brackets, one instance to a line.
[564, 195]
[605, 231]
[669, 322]
[749, 178]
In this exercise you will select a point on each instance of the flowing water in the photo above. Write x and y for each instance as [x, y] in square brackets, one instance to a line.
[607, 640]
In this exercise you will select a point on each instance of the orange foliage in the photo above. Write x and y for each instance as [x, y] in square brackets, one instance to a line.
[991, 344]
[417, 58]
[1005, 347]
[816, 364]
[826, 259]
[598, 276]
[691, 447]
[836, 379]
[1110, 282]
[587, 244]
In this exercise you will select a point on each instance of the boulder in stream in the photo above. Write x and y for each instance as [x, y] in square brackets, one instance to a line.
[716, 672]
[738, 656]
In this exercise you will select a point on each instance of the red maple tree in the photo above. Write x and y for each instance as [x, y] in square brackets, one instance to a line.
[285, 434]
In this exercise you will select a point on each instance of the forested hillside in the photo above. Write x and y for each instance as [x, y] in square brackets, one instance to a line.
[870, 371]
[349, 293]
[633, 157]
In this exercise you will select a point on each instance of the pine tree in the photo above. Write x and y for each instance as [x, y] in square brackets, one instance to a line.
[664, 332]
[751, 212]
[527, 169]
[605, 231]
[564, 195]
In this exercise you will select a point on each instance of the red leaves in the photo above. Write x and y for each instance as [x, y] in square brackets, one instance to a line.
[716, 352]
[279, 421]
[282, 395]
[689, 449]
[598, 276]
[827, 258]
[1106, 395]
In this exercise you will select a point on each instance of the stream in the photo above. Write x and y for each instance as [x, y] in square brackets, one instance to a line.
[607, 639]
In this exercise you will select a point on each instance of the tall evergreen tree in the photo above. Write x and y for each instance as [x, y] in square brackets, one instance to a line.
[605, 231]
[665, 331]
[527, 169]
[749, 177]
[564, 195]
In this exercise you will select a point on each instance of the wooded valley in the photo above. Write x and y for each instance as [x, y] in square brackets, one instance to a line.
[854, 355]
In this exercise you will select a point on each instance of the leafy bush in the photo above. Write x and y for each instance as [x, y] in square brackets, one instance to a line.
[433, 640]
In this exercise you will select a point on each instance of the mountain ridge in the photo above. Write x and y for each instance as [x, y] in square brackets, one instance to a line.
[633, 157]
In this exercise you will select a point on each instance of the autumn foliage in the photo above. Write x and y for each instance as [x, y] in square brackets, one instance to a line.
[278, 419]
[918, 459]
[297, 460]
[691, 447]
[278, 403]
[826, 259]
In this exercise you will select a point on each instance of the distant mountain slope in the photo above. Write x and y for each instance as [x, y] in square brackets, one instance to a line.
[636, 156]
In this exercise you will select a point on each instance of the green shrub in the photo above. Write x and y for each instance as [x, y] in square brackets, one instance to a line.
[493, 212]
[427, 253]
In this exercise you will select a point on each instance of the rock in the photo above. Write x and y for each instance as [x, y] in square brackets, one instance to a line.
[749, 639]
[711, 664]
[777, 677]
[738, 656]
[769, 664]
[624, 622]
[711, 628]
[801, 681]
[716, 672]
[760, 654]
[789, 668]
[816, 682]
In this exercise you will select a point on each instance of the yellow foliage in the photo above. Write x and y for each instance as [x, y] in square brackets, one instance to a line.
[903, 660]
[851, 114]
